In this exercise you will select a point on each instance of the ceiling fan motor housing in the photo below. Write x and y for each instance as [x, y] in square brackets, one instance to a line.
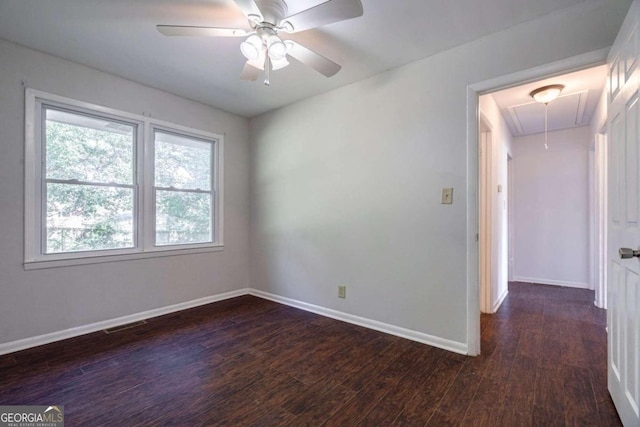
[273, 11]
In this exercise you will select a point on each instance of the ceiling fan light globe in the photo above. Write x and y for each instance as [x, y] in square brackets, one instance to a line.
[279, 64]
[277, 51]
[249, 51]
[250, 48]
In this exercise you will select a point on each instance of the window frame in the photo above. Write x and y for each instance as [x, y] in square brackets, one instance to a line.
[41, 179]
[144, 226]
[154, 188]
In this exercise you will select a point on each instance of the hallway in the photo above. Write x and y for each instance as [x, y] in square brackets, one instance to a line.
[547, 362]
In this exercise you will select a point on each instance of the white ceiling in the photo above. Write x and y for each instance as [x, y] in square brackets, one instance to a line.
[574, 107]
[119, 36]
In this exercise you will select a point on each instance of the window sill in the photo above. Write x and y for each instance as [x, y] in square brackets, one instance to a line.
[54, 263]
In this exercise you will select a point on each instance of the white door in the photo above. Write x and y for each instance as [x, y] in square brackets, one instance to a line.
[624, 220]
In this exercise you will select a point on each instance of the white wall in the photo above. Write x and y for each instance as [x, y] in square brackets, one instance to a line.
[346, 185]
[551, 218]
[44, 301]
[500, 152]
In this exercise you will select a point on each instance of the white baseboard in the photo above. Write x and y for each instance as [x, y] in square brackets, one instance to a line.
[445, 344]
[552, 282]
[498, 303]
[25, 343]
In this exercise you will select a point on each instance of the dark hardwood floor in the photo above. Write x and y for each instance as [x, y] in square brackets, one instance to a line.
[248, 361]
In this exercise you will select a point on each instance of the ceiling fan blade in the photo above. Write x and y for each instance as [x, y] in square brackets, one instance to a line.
[178, 30]
[249, 7]
[325, 13]
[249, 72]
[313, 59]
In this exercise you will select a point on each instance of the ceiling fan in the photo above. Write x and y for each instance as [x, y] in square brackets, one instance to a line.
[265, 47]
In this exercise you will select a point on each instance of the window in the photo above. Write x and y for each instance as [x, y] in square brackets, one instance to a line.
[89, 176]
[182, 189]
[103, 185]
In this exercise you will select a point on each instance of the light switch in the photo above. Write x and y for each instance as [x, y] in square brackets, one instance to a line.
[447, 196]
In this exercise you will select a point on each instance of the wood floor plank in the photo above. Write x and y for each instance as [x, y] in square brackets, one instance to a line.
[323, 408]
[485, 409]
[276, 417]
[499, 365]
[385, 352]
[438, 419]
[530, 343]
[549, 389]
[413, 416]
[405, 401]
[413, 356]
[579, 398]
[545, 417]
[458, 398]
[513, 414]
[522, 379]
[7, 361]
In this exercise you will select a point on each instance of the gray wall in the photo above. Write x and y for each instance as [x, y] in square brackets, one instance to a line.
[43, 301]
[551, 208]
[345, 189]
[346, 185]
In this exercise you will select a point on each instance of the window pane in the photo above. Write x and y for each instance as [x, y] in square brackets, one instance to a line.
[85, 218]
[88, 149]
[182, 218]
[182, 162]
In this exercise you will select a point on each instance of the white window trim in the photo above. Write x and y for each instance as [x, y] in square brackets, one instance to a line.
[144, 212]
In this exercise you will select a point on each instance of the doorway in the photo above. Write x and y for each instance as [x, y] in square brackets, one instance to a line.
[503, 187]
[556, 156]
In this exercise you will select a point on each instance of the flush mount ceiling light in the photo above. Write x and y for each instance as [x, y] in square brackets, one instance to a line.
[544, 95]
[268, 21]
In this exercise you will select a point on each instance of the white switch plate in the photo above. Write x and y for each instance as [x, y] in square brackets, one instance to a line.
[342, 291]
[447, 196]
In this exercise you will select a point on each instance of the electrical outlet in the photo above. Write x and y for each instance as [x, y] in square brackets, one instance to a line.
[447, 196]
[342, 291]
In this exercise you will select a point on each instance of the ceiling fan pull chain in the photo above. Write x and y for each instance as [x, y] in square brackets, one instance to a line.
[546, 130]
[267, 69]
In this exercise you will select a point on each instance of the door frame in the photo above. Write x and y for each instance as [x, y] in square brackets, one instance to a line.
[511, 250]
[601, 185]
[474, 91]
[485, 234]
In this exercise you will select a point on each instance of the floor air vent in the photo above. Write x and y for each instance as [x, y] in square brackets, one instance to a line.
[123, 327]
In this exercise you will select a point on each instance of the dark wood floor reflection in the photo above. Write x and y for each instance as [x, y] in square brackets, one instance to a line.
[249, 362]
